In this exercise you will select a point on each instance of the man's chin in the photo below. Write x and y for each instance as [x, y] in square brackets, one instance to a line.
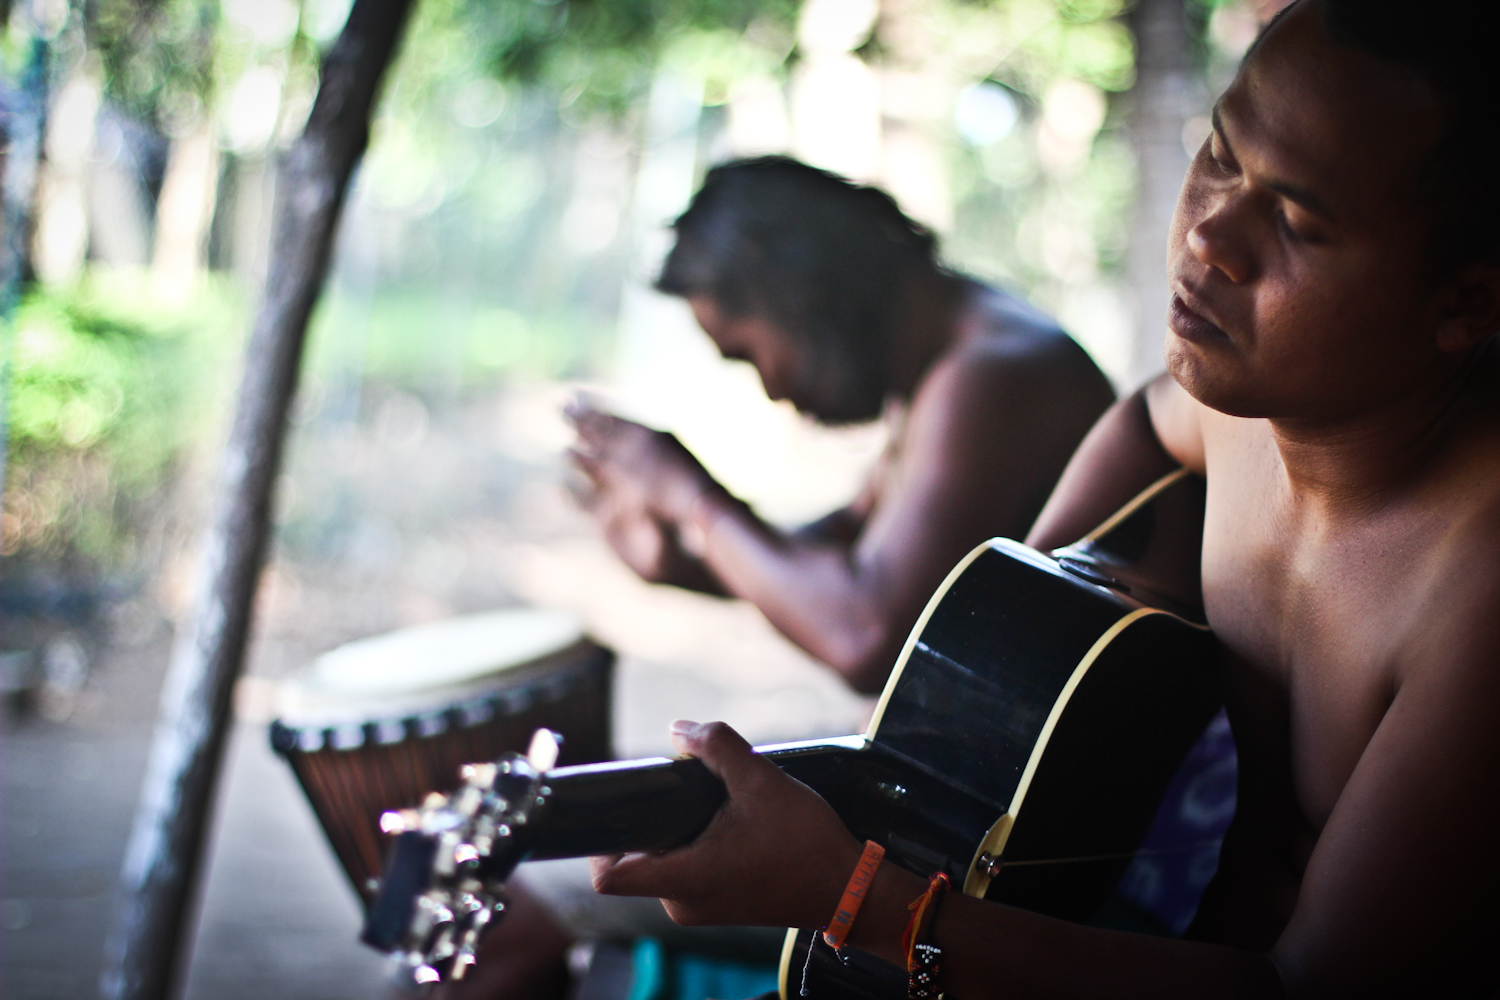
[841, 421]
[1228, 392]
[842, 416]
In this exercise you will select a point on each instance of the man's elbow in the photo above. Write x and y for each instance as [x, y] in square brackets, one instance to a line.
[865, 657]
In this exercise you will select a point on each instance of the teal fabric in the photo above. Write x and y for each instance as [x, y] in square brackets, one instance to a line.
[664, 975]
[650, 964]
[698, 978]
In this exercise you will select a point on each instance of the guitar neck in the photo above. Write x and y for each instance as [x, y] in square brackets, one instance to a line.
[643, 805]
[616, 807]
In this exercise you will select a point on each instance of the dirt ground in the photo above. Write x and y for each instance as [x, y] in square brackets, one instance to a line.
[405, 516]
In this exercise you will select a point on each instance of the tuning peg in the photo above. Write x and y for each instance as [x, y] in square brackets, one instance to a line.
[479, 775]
[461, 965]
[544, 748]
[400, 821]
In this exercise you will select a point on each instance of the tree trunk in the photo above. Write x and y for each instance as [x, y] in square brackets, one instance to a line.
[165, 848]
[1162, 99]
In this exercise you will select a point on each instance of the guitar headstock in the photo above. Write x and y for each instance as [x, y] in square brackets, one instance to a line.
[444, 884]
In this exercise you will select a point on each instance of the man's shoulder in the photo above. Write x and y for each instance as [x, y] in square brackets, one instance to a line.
[1005, 340]
[993, 305]
[994, 370]
[1462, 481]
[1462, 498]
[1454, 510]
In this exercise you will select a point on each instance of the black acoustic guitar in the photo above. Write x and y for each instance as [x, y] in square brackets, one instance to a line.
[1022, 745]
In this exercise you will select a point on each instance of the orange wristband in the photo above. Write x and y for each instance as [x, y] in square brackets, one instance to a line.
[854, 895]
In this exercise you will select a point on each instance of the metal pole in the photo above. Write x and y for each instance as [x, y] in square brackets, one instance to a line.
[142, 956]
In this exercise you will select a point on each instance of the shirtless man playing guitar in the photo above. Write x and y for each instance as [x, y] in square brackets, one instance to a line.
[1335, 269]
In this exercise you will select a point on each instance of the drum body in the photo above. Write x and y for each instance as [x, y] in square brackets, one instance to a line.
[379, 723]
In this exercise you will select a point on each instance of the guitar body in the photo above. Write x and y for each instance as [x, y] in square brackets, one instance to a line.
[1023, 744]
[1039, 729]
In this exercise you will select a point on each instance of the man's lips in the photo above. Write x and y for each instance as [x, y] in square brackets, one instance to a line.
[1189, 325]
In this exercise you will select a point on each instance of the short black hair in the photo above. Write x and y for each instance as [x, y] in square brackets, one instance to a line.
[1451, 44]
[820, 256]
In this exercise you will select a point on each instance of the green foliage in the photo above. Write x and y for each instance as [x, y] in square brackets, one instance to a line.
[1100, 52]
[157, 55]
[109, 390]
[604, 50]
[416, 338]
[1028, 44]
[1086, 11]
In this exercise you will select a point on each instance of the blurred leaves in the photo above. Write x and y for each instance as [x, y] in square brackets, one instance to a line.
[157, 56]
[606, 49]
[109, 390]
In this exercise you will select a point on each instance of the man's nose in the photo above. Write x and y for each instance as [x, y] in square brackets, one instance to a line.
[1219, 240]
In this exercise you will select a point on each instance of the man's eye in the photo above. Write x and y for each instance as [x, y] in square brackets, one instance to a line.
[1290, 231]
[1216, 156]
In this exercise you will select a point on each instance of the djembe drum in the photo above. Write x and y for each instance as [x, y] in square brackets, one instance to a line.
[379, 723]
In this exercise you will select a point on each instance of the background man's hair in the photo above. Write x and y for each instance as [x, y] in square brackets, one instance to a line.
[1452, 44]
[807, 249]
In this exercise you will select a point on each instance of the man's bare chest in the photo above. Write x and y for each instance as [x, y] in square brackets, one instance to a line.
[1312, 626]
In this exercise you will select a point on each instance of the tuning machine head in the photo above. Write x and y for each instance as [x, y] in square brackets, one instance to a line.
[444, 880]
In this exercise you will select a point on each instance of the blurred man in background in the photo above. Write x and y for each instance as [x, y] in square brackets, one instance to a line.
[839, 301]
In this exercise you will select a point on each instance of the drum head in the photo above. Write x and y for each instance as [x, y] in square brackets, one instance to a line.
[425, 666]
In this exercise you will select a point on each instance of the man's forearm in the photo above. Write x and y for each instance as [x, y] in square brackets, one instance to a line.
[991, 950]
[841, 526]
[691, 573]
[810, 590]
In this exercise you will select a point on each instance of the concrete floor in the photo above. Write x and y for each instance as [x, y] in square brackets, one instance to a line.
[277, 917]
[67, 800]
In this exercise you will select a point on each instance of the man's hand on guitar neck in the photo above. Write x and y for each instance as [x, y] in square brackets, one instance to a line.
[776, 855]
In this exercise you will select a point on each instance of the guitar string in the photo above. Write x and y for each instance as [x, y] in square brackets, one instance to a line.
[1158, 852]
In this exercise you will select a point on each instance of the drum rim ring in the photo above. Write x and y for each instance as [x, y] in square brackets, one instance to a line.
[537, 683]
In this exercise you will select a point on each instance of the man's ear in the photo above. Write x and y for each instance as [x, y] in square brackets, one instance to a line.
[1471, 313]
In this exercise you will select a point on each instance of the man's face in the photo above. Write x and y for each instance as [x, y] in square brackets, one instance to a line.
[1298, 254]
[832, 390]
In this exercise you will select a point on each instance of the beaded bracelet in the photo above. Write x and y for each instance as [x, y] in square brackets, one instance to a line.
[922, 979]
[923, 959]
